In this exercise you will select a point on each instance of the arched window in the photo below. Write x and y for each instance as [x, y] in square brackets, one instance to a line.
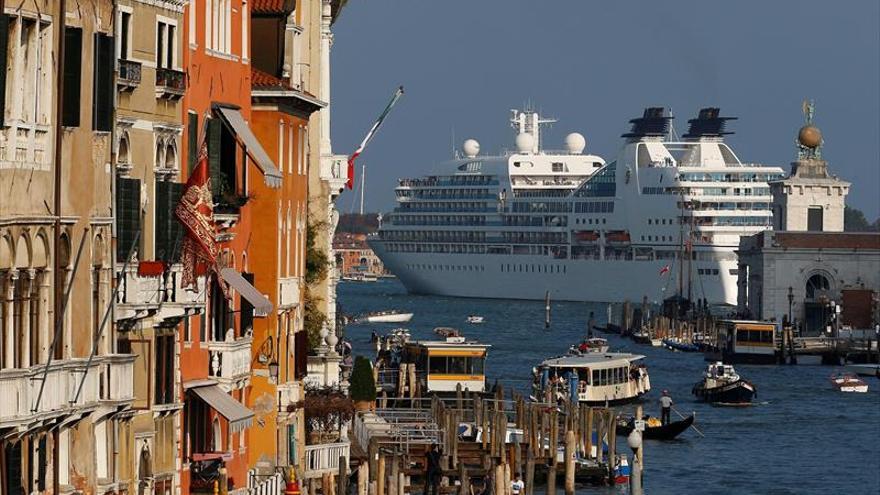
[123, 153]
[816, 285]
[160, 154]
[171, 156]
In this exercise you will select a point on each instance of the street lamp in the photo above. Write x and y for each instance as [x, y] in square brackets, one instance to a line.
[790, 301]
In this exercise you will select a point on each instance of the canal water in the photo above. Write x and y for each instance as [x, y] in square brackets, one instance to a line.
[802, 437]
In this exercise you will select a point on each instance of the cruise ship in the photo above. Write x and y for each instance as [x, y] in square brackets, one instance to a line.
[663, 219]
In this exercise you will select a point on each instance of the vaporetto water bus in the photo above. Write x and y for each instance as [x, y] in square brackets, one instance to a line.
[595, 378]
[668, 212]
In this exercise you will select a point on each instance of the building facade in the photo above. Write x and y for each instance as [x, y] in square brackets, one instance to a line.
[808, 268]
[72, 387]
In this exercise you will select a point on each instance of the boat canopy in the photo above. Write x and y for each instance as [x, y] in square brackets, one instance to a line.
[595, 360]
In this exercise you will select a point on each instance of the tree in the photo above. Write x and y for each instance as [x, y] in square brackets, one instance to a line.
[854, 221]
[363, 387]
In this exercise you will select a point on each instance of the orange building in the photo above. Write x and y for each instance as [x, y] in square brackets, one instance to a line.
[216, 364]
[279, 117]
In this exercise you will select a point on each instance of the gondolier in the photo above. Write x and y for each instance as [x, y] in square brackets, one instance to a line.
[665, 407]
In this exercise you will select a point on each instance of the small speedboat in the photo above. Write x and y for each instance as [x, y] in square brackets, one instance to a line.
[387, 317]
[475, 319]
[847, 382]
[722, 385]
[642, 337]
[593, 344]
[654, 429]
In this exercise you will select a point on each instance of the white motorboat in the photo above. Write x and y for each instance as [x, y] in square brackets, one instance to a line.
[847, 382]
[475, 319]
[387, 317]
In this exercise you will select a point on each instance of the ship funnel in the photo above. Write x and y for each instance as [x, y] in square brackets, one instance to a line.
[654, 122]
[708, 124]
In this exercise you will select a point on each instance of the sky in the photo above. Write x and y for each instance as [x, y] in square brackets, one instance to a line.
[595, 65]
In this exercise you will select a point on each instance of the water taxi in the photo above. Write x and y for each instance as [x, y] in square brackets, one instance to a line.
[722, 385]
[386, 317]
[744, 341]
[440, 365]
[595, 378]
[847, 382]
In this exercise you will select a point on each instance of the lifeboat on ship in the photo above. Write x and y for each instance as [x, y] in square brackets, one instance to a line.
[586, 236]
[617, 237]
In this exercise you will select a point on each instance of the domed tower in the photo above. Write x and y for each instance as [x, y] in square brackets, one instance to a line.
[810, 198]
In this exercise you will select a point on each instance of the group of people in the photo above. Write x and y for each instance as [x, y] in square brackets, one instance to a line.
[434, 473]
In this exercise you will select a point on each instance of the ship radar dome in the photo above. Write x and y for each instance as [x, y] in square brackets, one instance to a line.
[471, 148]
[810, 136]
[525, 142]
[575, 143]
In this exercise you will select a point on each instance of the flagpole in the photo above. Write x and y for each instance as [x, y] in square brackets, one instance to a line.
[369, 137]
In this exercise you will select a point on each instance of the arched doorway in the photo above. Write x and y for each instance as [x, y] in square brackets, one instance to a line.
[816, 301]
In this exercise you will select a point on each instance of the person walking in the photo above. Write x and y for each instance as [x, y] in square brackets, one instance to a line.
[433, 471]
[665, 407]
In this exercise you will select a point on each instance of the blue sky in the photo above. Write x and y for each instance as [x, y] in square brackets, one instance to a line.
[594, 65]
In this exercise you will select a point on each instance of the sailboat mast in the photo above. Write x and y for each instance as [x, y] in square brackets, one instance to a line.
[363, 185]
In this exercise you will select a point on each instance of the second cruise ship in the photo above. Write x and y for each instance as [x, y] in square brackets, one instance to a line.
[663, 219]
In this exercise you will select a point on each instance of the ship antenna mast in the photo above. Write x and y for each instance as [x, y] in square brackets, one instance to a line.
[530, 122]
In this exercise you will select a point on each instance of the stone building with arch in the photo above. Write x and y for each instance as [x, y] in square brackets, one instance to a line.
[808, 267]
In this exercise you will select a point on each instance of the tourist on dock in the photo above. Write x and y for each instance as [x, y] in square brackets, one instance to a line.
[665, 407]
[432, 470]
[517, 486]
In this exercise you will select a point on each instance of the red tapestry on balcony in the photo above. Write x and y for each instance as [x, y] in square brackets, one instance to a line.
[196, 212]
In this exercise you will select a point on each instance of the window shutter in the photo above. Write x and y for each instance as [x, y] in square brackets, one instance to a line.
[247, 309]
[4, 40]
[160, 224]
[102, 106]
[72, 76]
[175, 228]
[215, 131]
[128, 215]
[193, 142]
[300, 353]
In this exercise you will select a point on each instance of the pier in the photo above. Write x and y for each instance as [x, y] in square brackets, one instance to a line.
[483, 438]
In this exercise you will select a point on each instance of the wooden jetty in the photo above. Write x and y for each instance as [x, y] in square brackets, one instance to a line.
[483, 439]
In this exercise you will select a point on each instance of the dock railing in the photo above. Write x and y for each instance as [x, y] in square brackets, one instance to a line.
[325, 458]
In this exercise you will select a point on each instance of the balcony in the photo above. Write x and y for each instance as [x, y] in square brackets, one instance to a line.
[288, 292]
[170, 83]
[117, 379]
[324, 458]
[20, 389]
[162, 295]
[129, 75]
[334, 170]
[231, 362]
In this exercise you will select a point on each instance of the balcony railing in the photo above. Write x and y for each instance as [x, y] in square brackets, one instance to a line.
[325, 458]
[230, 360]
[20, 388]
[288, 292]
[117, 381]
[129, 75]
[170, 83]
[152, 292]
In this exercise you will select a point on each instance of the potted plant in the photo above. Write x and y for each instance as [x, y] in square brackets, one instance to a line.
[363, 386]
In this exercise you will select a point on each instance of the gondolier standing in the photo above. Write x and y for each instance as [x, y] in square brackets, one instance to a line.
[665, 407]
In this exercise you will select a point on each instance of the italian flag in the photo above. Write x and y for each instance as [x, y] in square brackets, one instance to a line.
[397, 94]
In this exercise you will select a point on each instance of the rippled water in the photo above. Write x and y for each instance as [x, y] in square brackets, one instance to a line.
[803, 437]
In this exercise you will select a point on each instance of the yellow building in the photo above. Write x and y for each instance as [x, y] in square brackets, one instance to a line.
[59, 359]
[153, 312]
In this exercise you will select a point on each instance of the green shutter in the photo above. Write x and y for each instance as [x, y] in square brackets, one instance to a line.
[215, 131]
[175, 228]
[4, 39]
[72, 76]
[102, 106]
[160, 222]
[128, 215]
[192, 142]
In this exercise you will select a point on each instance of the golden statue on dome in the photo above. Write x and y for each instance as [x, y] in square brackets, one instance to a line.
[809, 139]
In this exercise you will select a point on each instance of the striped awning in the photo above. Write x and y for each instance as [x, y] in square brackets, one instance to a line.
[239, 417]
[232, 117]
[261, 304]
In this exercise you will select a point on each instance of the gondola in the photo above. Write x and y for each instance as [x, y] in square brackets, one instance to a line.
[656, 432]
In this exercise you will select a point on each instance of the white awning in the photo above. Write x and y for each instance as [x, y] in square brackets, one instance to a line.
[239, 417]
[260, 303]
[251, 144]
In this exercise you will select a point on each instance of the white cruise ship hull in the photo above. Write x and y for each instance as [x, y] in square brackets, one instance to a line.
[530, 277]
